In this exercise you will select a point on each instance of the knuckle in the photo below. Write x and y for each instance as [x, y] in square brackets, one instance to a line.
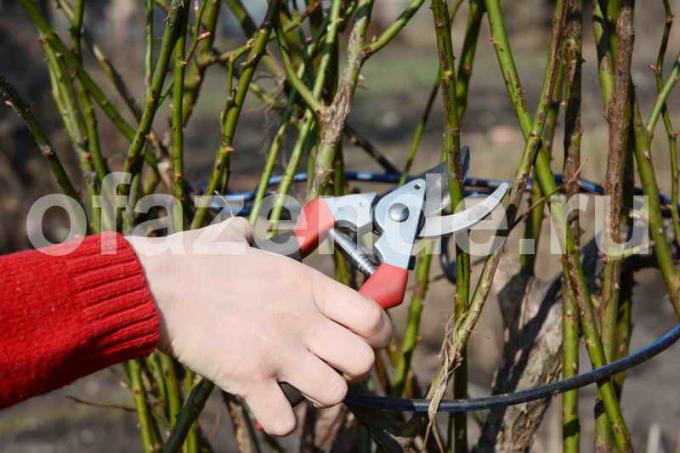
[281, 425]
[365, 359]
[335, 391]
[373, 317]
[386, 335]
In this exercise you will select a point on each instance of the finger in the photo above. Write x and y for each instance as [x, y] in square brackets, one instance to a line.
[342, 349]
[271, 409]
[237, 229]
[316, 380]
[352, 310]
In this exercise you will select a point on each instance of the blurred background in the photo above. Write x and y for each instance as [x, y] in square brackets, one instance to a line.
[94, 413]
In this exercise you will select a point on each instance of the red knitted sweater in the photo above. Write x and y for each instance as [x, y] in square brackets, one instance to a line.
[63, 317]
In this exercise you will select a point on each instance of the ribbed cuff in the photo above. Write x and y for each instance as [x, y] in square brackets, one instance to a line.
[117, 307]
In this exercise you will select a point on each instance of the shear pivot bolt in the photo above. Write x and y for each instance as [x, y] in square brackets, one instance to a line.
[398, 212]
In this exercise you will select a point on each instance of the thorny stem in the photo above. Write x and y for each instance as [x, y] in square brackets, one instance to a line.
[662, 250]
[668, 125]
[13, 100]
[534, 220]
[88, 112]
[242, 16]
[403, 361]
[147, 427]
[104, 63]
[451, 152]
[664, 92]
[572, 162]
[220, 173]
[50, 36]
[412, 330]
[88, 83]
[308, 120]
[643, 158]
[268, 169]
[573, 270]
[377, 43]
[333, 120]
[463, 327]
[176, 19]
[618, 115]
[360, 141]
[177, 124]
[149, 39]
[65, 99]
[195, 73]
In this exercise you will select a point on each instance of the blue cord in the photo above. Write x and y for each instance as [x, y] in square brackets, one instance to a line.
[522, 396]
[393, 178]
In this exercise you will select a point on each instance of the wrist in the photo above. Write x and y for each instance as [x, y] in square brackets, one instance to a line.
[156, 268]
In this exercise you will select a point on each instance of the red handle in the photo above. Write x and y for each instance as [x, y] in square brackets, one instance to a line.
[386, 286]
[315, 221]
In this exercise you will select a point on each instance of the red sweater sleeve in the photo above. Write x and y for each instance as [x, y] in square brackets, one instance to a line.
[63, 317]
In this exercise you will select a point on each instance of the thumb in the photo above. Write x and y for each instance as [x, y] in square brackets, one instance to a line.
[233, 229]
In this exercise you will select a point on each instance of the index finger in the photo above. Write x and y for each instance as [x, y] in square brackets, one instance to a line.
[352, 310]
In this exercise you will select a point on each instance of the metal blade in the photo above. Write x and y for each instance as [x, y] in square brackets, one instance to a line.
[438, 183]
[436, 226]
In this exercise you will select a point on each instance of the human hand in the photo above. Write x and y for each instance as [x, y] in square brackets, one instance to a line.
[247, 319]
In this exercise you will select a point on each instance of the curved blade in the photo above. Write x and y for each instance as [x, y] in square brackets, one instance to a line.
[436, 226]
[438, 183]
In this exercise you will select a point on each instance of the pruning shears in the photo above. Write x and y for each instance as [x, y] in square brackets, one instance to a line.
[398, 217]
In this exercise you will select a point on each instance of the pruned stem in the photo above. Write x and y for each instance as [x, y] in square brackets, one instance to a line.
[618, 115]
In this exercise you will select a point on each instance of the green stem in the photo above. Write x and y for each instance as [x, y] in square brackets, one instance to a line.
[69, 110]
[104, 63]
[175, 23]
[668, 125]
[147, 427]
[149, 40]
[412, 330]
[177, 125]
[53, 40]
[534, 221]
[174, 398]
[451, 152]
[572, 265]
[662, 250]
[664, 92]
[195, 73]
[193, 406]
[572, 162]
[220, 173]
[13, 100]
[618, 115]
[308, 120]
[333, 119]
[394, 28]
[88, 112]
